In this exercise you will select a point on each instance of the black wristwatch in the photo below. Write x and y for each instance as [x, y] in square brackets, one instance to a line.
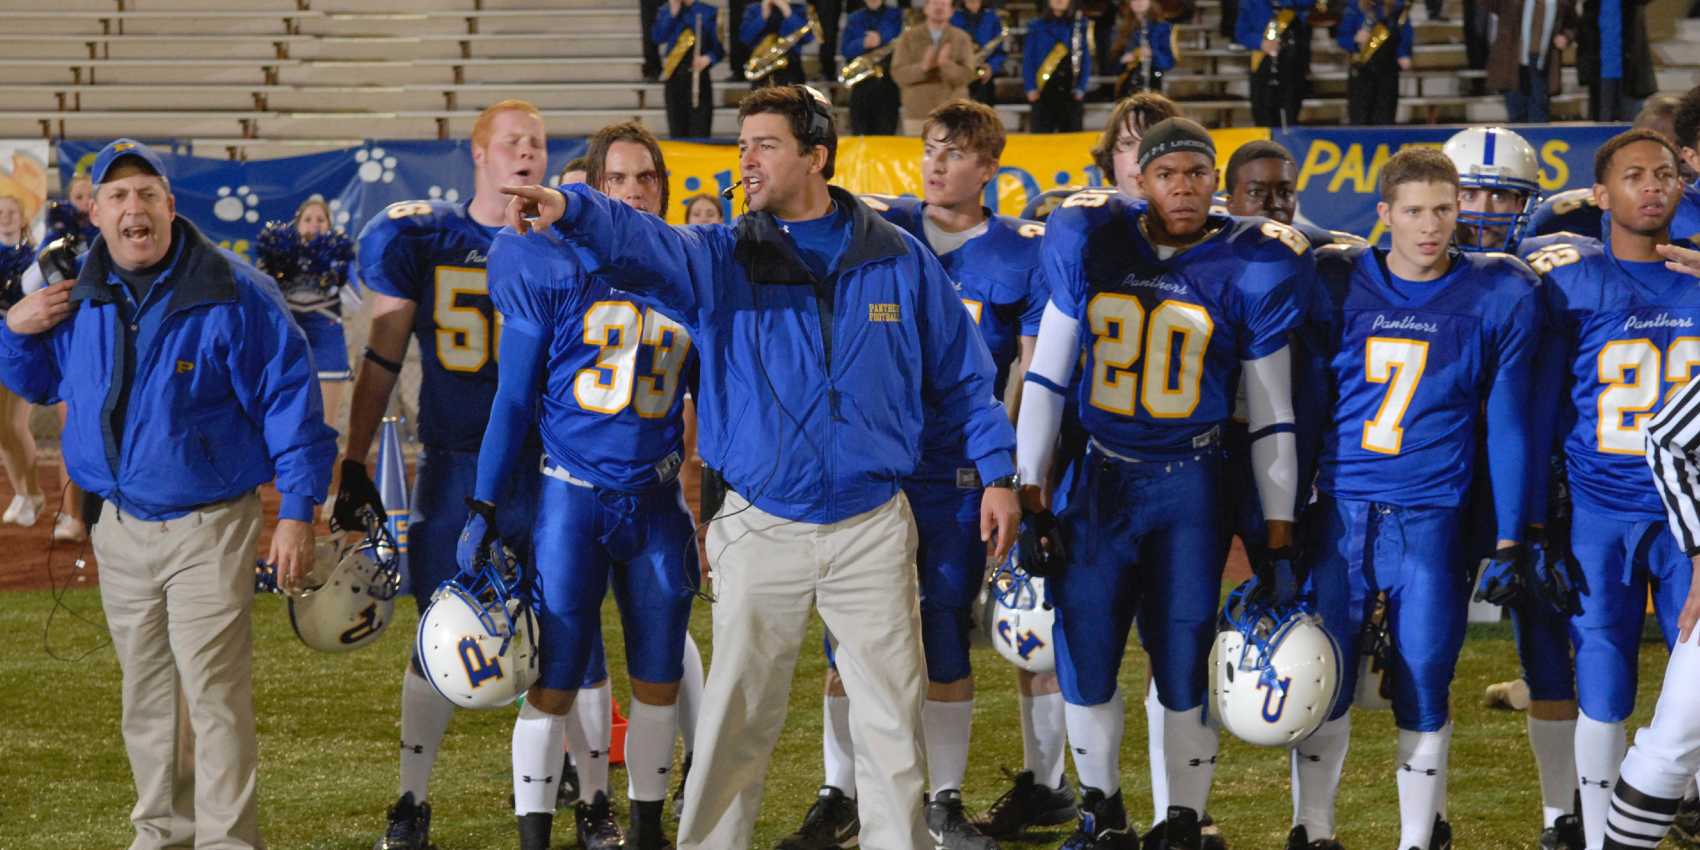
[1008, 482]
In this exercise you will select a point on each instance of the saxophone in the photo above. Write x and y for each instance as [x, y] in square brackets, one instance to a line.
[1377, 37]
[871, 63]
[769, 55]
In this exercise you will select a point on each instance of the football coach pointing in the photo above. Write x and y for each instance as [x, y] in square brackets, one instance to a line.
[188, 387]
[826, 336]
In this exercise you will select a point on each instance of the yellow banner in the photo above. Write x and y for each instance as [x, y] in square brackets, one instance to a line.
[892, 166]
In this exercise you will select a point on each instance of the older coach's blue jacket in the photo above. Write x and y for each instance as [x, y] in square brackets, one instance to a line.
[812, 392]
[221, 396]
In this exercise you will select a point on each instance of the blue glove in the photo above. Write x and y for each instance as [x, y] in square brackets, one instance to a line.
[1504, 581]
[472, 551]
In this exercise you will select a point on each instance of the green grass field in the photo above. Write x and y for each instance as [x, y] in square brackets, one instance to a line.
[328, 738]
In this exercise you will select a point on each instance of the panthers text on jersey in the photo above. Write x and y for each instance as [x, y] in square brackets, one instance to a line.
[1164, 339]
[433, 253]
[1412, 365]
[616, 373]
[1630, 341]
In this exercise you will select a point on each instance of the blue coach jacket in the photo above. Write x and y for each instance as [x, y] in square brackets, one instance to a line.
[221, 396]
[812, 409]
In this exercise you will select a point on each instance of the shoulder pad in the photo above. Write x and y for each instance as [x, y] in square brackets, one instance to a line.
[1262, 234]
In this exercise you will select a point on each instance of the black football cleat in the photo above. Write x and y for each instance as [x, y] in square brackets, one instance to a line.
[409, 826]
[1025, 805]
[831, 824]
[949, 828]
[598, 824]
[1299, 839]
[1103, 824]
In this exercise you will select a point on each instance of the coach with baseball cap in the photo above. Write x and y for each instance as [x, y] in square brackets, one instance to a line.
[187, 386]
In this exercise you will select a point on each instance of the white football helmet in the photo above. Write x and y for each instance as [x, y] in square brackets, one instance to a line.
[1494, 158]
[1275, 671]
[1375, 648]
[1021, 618]
[477, 642]
[349, 599]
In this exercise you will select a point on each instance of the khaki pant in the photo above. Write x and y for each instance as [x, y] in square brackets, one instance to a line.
[860, 574]
[177, 596]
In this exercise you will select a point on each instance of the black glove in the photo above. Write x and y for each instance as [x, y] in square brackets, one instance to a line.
[1505, 579]
[1555, 573]
[1040, 550]
[473, 549]
[357, 491]
[1277, 573]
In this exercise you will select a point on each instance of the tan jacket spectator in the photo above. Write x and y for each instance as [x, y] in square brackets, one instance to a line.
[930, 76]
[1505, 63]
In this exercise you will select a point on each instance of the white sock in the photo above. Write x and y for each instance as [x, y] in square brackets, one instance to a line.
[1599, 755]
[577, 747]
[595, 709]
[1421, 776]
[425, 716]
[1189, 757]
[1095, 736]
[838, 751]
[690, 696]
[1154, 751]
[946, 726]
[1554, 743]
[1044, 738]
[537, 759]
[649, 749]
[1316, 764]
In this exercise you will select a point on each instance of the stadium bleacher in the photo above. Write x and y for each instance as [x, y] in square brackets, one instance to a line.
[294, 75]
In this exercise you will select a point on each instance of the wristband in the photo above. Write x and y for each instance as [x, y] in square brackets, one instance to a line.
[383, 361]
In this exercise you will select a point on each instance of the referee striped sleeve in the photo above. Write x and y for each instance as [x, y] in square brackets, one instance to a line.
[1673, 451]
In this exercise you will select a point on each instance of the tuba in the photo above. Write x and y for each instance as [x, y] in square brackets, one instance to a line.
[769, 55]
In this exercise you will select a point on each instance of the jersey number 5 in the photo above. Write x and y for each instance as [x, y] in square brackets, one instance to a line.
[464, 338]
[618, 328]
[1175, 340]
[1398, 363]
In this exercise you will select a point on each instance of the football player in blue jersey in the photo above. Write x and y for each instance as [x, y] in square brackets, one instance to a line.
[1625, 325]
[610, 376]
[1170, 304]
[1499, 176]
[424, 262]
[1577, 211]
[1115, 154]
[994, 262]
[1406, 347]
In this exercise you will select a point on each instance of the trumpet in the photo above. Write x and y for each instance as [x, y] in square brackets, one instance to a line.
[770, 54]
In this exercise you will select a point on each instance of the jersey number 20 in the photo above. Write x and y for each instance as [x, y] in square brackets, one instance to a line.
[618, 328]
[1174, 342]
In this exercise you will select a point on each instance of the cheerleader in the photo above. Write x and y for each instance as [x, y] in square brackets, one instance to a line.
[310, 261]
[17, 447]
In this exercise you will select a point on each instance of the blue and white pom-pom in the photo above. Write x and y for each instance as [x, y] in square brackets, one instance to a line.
[320, 262]
[14, 261]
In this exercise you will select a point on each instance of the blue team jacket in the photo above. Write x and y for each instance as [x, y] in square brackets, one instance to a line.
[1046, 32]
[812, 410]
[221, 398]
[983, 27]
[1354, 19]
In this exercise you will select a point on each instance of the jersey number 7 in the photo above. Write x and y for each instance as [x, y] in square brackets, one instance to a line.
[1398, 363]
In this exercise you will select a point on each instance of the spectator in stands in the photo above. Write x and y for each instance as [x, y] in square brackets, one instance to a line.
[17, 446]
[704, 209]
[1117, 151]
[873, 100]
[1529, 63]
[689, 95]
[1377, 34]
[933, 63]
[985, 25]
[1056, 64]
[1146, 49]
[1614, 58]
[1280, 66]
[764, 25]
[577, 170]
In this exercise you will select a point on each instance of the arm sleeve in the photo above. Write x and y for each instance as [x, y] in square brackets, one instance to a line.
[1672, 439]
[1274, 443]
[524, 348]
[272, 376]
[958, 374]
[1054, 357]
[1508, 433]
[989, 30]
[1546, 396]
[715, 51]
[1033, 307]
[29, 365]
[850, 44]
[793, 23]
[1407, 38]
[670, 268]
[389, 262]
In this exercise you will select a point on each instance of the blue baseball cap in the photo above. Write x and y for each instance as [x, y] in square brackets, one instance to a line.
[117, 151]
